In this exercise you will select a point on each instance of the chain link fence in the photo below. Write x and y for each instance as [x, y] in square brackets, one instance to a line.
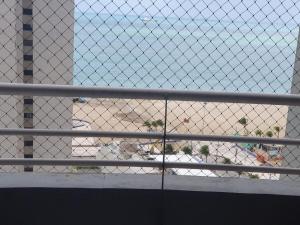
[227, 46]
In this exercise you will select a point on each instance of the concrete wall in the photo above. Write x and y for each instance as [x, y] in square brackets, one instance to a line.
[134, 200]
[53, 34]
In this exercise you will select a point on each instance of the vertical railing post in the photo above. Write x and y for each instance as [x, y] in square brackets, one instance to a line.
[164, 144]
[162, 207]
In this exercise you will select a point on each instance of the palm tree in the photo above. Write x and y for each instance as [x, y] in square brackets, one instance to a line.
[204, 150]
[277, 130]
[269, 134]
[169, 149]
[154, 124]
[258, 133]
[148, 125]
[226, 161]
[160, 123]
[187, 150]
[244, 122]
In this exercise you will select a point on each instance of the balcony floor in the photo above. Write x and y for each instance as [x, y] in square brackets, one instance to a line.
[137, 199]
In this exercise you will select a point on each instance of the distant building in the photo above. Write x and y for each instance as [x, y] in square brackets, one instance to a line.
[83, 147]
[291, 155]
[113, 151]
[10, 71]
[186, 159]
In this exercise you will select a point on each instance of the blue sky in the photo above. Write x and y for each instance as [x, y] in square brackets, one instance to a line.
[272, 11]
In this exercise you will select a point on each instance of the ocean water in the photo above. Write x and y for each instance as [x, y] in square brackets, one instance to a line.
[129, 51]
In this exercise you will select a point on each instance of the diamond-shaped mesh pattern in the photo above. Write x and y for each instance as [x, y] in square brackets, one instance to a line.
[230, 46]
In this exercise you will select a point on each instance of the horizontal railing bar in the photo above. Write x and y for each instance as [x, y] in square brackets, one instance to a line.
[155, 164]
[146, 135]
[234, 139]
[78, 162]
[79, 133]
[235, 168]
[151, 94]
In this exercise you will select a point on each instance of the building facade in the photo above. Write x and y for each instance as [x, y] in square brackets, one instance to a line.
[291, 155]
[36, 47]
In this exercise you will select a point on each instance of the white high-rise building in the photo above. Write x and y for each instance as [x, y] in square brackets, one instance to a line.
[53, 36]
[292, 153]
[36, 46]
[10, 68]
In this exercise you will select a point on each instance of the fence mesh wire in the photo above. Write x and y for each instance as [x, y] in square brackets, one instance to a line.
[231, 46]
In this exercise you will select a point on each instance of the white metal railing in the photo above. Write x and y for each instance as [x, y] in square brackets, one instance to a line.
[154, 164]
[147, 135]
[153, 94]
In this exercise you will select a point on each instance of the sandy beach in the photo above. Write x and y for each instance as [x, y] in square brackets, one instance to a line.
[183, 117]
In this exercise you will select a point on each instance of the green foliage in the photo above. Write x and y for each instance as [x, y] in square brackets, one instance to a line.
[187, 150]
[226, 161]
[253, 176]
[154, 124]
[243, 121]
[160, 123]
[277, 130]
[204, 150]
[269, 134]
[169, 149]
[258, 133]
[147, 124]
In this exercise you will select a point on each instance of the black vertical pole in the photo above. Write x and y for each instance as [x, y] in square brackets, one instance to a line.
[164, 146]
[163, 164]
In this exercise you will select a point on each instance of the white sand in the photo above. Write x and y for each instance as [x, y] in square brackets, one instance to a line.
[209, 118]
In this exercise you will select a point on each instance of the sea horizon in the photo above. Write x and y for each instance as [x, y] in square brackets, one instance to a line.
[157, 52]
